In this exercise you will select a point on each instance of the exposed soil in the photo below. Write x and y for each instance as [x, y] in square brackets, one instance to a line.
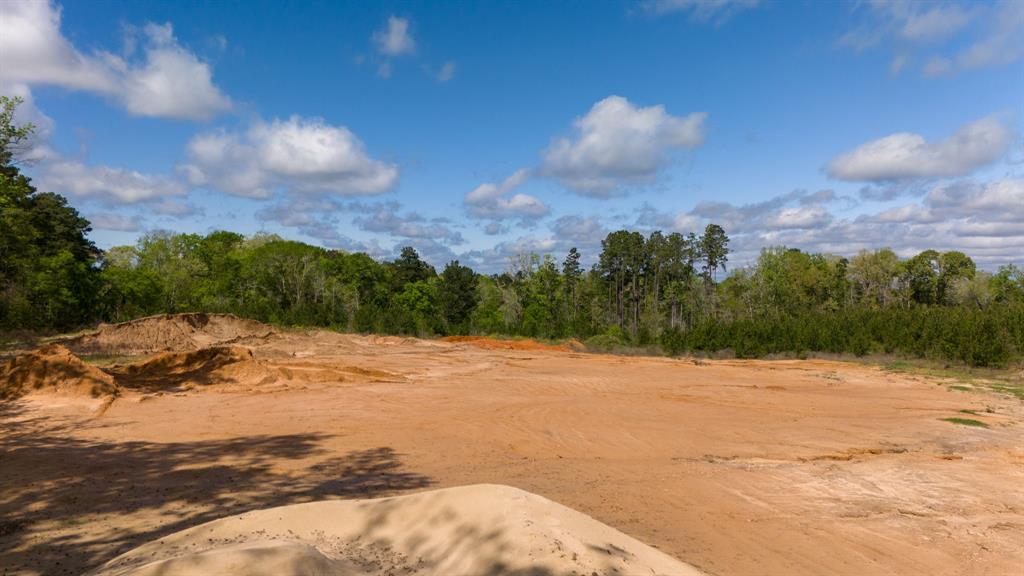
[479, 529]
[499, 344]
[736, 467]
[53, 369]
[170, 332]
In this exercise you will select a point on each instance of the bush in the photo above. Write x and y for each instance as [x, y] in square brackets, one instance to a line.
[673, 341]
[603, 343]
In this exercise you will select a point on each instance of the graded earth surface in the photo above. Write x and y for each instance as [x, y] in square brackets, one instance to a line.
[117, 442]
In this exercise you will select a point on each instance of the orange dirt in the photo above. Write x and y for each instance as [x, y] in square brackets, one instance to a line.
[53, 369]
[736, 467]
[170, 332]
[499, 344]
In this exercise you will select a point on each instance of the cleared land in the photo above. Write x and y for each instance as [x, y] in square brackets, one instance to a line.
[735, 467]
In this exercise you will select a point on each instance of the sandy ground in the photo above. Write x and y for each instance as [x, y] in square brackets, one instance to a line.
[735, 467]
[477, 529]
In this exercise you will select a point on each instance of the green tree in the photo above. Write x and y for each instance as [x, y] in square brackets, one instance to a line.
[457, 295]
[571, 273]
[408, 267]
[714, 250]
[48, 277]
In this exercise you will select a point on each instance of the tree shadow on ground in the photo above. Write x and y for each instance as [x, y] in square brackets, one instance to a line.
[57, 488]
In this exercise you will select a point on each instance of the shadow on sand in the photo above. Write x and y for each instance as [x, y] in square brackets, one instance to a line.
[55, 487]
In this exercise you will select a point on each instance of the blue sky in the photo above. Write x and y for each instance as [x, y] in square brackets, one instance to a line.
[481, 130]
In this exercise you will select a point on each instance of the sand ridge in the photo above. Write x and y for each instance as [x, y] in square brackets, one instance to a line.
[53, 369]
[461, 531]
[170, 332]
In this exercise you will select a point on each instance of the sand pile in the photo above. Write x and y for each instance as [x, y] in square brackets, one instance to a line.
[213, 365]
[53, 369]
[496, 344]
[170, 332]
[469, 530]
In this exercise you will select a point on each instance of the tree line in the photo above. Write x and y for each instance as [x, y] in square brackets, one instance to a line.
[671, 292]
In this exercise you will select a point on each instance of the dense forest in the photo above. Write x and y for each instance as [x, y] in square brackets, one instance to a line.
[667, 291]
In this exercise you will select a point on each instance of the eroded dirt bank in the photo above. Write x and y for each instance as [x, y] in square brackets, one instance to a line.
[784, 467]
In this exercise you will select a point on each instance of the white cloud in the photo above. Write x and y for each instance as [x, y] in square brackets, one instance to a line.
[299, 211]
[999, 200]
[172, 83]
[905, 155]
[118, 222]
[169, 82]
[174, 208]
[619, 144]
[495, 201]
[300, 155]
[937, 66]
[1002, 44]
[954, 36]
[384, 70]
[701, 10]
[447, 71]
[395, 39]
[983, 220]
[581, 230]
[935, 23]
[35, 52]
[36, 147]
[384, 218]
[110, 185]
[797, 217]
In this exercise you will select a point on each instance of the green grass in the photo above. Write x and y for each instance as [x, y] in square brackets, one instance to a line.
[1009, 381]
[973, 412]
[966, 422]
[1011, 388]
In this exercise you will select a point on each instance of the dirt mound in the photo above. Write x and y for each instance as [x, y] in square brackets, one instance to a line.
[171, 332]
[496, 344]
[53, 369]
[213, 365]
[462, 531]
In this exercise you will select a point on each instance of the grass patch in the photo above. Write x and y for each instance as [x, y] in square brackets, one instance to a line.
[1011, 388]
[1008, 381]
[109, 360]
[973, 412]
[966, 422]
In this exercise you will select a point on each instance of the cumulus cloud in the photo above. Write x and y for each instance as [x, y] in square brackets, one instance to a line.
[906, 155]
[172, 82]
[167, 81]
[619, 144]
[35, 52]
[496, 201]
[395, 39]
[300, 155]
[701, 10]
[106, 184]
